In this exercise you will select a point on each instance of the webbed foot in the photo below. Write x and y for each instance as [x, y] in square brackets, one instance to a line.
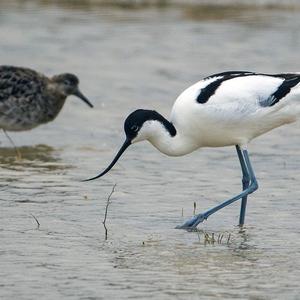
[193, 222]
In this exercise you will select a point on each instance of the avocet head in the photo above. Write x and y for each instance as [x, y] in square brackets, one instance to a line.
[68, 84]
[140, 125]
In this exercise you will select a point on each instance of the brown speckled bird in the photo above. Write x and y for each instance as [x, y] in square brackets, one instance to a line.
[28, 98]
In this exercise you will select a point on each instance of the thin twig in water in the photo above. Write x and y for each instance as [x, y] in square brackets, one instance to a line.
[228, 238]
[213, 238]
[195, 208]
[207, 238]
[106, 210]
[37, 221]
[221, 238]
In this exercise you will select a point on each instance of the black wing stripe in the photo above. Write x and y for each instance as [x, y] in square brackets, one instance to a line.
[211, 88]
[282, 91]
[230, 73]
[290, 80]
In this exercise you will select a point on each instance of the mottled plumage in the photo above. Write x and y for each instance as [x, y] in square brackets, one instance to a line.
[28, 98]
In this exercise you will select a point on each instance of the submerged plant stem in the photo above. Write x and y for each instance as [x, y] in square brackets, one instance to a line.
[37, 221]
[106, 210]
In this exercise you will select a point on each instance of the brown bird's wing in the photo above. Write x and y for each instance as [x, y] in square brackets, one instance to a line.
[21, 91]
[19, 84]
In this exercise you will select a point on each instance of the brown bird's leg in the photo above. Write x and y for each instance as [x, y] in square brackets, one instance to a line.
[18, 153]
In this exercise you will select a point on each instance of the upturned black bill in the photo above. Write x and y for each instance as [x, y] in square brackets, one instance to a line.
[123, 148]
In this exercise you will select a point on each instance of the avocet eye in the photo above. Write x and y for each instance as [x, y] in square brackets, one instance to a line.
[67, 82]
[134, 128]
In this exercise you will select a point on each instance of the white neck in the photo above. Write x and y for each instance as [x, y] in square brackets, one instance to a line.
[157, 134]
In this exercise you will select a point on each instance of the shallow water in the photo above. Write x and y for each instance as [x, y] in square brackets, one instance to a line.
[126, 59]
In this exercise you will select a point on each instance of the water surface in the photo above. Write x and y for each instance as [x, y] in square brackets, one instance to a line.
[127, 59]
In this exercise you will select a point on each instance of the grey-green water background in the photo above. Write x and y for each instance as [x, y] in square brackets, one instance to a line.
[129, 57]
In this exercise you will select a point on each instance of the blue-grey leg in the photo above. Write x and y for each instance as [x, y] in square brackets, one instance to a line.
[245, 183]
[247, 173]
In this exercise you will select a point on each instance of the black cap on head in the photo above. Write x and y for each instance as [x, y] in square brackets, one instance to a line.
[135, 121]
